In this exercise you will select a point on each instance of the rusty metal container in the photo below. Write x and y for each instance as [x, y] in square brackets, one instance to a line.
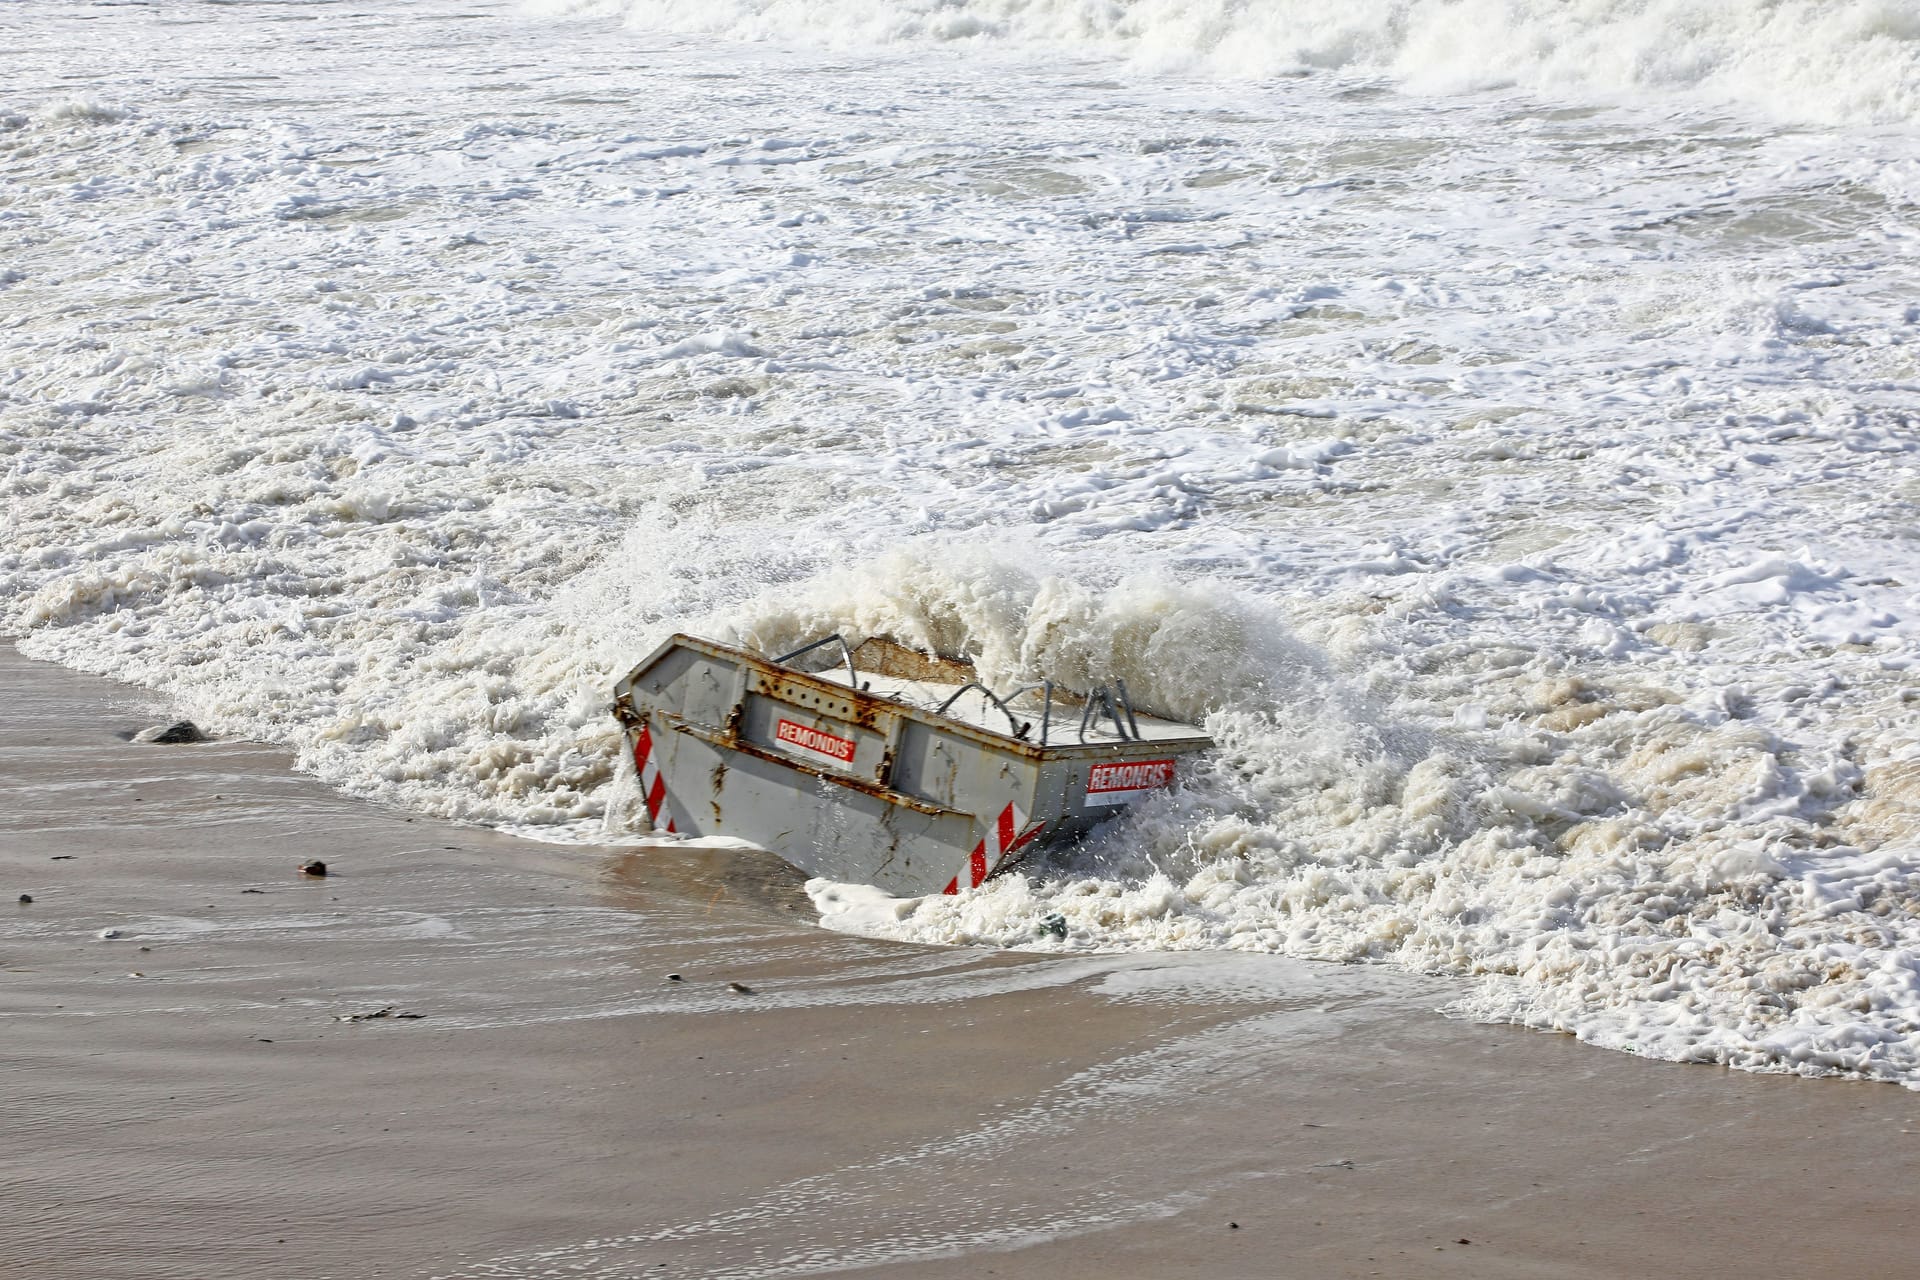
[890, 767]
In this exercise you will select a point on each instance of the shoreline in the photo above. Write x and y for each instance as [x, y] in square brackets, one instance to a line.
[559, 1104]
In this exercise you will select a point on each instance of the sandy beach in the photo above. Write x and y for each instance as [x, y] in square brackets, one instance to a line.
[187, 1099]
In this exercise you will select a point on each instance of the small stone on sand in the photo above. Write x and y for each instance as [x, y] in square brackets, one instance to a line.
[740, 987]
[178, 731]
[385, 1011]
[313, 868]
[26, 897]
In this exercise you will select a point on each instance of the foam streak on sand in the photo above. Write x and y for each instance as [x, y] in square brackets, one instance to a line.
[1521, 488]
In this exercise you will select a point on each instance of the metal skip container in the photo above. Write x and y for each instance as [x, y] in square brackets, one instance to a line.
[891, 767]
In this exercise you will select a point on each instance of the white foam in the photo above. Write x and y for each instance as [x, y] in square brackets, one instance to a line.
[1814, 60]
[80, 109]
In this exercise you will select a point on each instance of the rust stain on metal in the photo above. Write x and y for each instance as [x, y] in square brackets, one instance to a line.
[926, 796]
[853, 782]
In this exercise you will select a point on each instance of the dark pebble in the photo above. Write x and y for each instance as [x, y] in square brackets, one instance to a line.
[673, 977]
[1233, 1226]
[313, 868]
[740, 987]
[26, 897]
[178, 731]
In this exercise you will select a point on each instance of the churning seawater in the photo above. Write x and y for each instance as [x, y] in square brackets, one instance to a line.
[1496, 421]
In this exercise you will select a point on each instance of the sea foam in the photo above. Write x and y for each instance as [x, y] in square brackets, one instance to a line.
[1807, 60]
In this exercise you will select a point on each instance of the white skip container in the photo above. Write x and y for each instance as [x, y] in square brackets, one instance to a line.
[890, 768]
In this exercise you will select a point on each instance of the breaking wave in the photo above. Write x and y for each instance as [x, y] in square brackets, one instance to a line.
[1623, 861]
[1824, 61]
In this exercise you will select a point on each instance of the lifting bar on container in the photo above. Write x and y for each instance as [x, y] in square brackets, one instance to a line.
[886, 775]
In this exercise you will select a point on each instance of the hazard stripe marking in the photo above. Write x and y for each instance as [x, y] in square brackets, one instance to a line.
[1000, 844]
[652, 785]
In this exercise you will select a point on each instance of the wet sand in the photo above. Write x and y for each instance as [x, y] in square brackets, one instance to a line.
[560, 1107]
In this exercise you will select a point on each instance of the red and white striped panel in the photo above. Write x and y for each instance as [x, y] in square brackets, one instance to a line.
[652, 785]
[1010, 834]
